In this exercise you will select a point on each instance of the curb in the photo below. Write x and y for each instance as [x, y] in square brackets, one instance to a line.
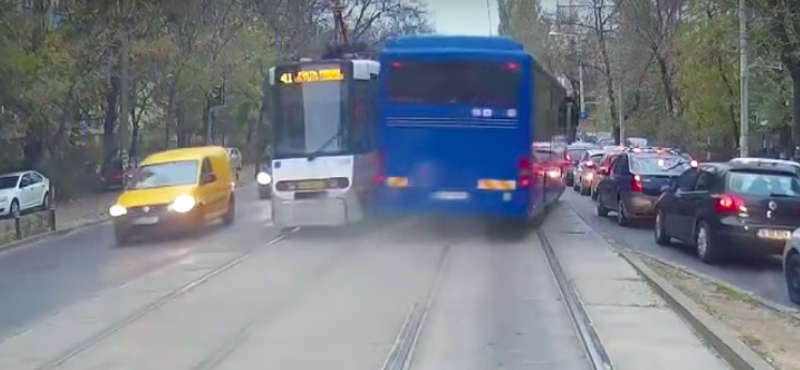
[724, 342]
[49, 234]
[767, 303]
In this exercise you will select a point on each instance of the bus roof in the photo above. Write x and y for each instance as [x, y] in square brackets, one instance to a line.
[496, 43]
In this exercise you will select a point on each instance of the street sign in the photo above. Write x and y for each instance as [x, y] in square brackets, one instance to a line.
[218, 96]
[584, 116]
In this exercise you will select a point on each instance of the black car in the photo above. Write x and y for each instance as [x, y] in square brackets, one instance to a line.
[724, 209]
[635, 180]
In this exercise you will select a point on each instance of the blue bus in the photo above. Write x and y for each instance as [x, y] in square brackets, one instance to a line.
[458, 118]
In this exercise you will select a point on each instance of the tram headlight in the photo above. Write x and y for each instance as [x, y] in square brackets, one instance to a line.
[263, 178]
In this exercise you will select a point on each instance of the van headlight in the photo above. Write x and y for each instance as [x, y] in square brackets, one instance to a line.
[117, 210]
[183, 204]
[263, 178]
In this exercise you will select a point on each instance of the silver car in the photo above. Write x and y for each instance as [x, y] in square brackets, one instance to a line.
[791, 266]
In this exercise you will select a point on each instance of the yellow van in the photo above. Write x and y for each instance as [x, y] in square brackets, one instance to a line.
[179, 189]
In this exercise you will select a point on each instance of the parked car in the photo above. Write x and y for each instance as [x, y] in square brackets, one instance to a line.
[585, 170]
[635, 180]
[727, 209]
[23, 191]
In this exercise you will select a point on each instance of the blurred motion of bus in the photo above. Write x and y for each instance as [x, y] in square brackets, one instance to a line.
[459, 115]
[324, 159]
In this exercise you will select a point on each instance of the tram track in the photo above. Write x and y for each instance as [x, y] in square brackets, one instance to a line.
[590, 341]
[401, 355]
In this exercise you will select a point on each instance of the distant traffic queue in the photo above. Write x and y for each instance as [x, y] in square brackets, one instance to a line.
[324, 154]
[458, 118]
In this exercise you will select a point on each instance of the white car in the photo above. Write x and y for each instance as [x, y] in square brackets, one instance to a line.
[23, 191]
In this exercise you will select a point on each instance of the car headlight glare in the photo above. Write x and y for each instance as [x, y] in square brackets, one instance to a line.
[117, 210]
[183, 204]
[263, 178]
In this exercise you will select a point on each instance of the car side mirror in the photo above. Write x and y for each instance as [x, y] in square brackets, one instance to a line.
[208, 178]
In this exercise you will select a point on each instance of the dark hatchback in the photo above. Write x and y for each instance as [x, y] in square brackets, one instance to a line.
[635, 180]
[723, 209]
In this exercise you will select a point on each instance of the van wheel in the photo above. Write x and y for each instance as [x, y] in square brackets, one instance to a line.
[230, 214]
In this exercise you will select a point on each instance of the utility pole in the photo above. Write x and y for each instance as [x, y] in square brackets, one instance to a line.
[620, 109]
[489, 17]
[124, 60]
[744, 89]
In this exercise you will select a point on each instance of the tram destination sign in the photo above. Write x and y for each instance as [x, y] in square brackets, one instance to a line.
[321, 75]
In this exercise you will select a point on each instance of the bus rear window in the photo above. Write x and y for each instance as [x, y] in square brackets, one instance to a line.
[492, 84]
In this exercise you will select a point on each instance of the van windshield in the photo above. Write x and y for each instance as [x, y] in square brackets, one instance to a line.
[166, 174]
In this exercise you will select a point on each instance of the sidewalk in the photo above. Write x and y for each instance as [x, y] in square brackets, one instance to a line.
[88, 209]
[635, 325]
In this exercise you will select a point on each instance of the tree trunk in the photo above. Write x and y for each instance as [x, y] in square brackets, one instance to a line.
[795, 75]
[110, 121]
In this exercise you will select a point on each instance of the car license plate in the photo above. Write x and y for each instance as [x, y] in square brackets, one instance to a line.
[145, 221]
[451, 195]
[774, 234]
[311, 185]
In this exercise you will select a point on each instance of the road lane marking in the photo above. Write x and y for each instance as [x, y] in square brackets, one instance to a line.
[138, 314]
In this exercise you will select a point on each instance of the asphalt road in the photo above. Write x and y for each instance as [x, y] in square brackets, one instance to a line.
[763, 277]
[444, 294]
[41, 278]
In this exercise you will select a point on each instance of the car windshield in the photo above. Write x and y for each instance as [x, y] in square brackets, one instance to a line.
[764, 184]
[658, 164]
[164, 174]
[8, 182]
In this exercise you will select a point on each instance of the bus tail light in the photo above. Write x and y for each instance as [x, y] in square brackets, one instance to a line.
[524, 172]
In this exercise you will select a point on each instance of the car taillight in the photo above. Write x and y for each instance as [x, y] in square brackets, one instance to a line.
[727, 203]
[636, 184]
[524, 172]
[380, 176]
